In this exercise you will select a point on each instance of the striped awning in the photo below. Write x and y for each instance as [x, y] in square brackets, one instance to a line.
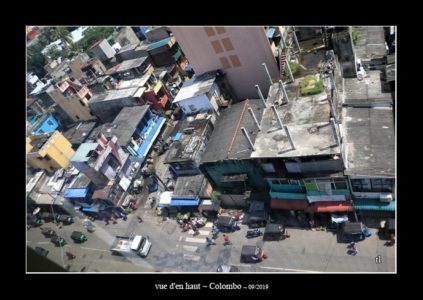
[373, 204]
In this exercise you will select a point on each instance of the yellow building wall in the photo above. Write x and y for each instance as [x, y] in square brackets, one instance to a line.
[58, 149]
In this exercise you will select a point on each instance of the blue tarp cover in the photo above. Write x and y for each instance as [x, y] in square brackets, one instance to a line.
[75, 193]
[177, 136]
[184, 202]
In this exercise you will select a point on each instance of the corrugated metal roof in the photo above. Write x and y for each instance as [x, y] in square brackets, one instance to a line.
[82, 153]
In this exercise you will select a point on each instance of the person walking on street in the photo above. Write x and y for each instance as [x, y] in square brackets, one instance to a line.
[226, 240]
[140, 219]
[210, 241]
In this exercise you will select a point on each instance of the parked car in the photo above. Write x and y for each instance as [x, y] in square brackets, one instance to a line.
[145, 246]
[34, 221]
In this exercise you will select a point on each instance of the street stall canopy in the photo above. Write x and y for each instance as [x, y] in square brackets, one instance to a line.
[184, 202]
[225, 221]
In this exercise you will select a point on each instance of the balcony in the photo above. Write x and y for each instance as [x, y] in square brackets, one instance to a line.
[63, 86]
[83, 92]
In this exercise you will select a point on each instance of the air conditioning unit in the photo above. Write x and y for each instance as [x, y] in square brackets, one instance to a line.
[385, 197]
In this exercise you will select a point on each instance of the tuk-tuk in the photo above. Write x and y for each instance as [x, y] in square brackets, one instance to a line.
[41, 251]
[66, 220]
[35, 221]
[257, 214]
[89, 226]
[47, 216]
[58, 241]
[78, 237]
[251, 254]
[274, 232]
[354, 232]
[48, 232]
[226, 224]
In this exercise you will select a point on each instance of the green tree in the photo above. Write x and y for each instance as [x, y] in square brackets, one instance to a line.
[61, 33]
[54, 53]
[93, 34]
[36, 60]
[73, 50]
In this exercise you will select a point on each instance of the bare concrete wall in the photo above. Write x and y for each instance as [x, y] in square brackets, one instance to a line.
[238, 51]
[72, 106]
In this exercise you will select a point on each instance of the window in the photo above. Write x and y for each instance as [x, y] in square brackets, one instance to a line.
[209, 31]
[382, 185]
[339, 184]
[268, 168]
[47, 158]
[235, 60]
[216, 46]
[50, 123]
[227, 44]
[225, 62]
[220, 30]
[361, 185]
[77, 117]
[88, 96]
[192, 107]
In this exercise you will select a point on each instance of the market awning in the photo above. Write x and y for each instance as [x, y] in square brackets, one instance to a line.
[184, 202]
[330, 207]
[288, 204]
[92, 208]
[75, 193]
[373, 204]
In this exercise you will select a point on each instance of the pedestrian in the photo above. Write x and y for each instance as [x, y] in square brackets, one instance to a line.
[226, 239]
[107, 221]
[140, 219]
[311, 222]
[60, 225]
[209, 241]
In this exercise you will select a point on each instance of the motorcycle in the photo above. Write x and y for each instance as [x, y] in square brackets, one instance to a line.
[70, 255]
[352, 249]
[253, 233]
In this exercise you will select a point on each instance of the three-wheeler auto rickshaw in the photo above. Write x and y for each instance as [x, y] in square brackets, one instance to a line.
[58, 241]
[48, 232]
[251, 254]
[78, 237]
[274, 232]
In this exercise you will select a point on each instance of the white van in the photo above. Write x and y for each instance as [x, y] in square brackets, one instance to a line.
[145, 246]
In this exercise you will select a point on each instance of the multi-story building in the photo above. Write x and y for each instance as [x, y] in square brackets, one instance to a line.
[100, 161]
[48, 151]
[189, 143]
[42, 123]
[102, 50]
[237, 51]
[72, 98]
[126, 36]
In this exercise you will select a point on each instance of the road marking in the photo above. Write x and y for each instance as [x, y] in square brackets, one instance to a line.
[180, 238]
[43, 243]
[94, 249]
[195, 240]
[192, 257]
[208, 225]
[190, 248]
[290, 270]
[201, 232]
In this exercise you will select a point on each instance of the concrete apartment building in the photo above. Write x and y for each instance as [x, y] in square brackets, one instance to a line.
[72, 98]
[238, 51]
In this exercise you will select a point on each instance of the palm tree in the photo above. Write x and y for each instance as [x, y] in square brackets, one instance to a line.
[61, 33]
[73, 50]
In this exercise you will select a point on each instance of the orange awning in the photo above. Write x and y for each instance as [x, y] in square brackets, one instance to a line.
[330, 207]
[288, 204]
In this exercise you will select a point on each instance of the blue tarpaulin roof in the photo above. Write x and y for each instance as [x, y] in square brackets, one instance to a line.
[75, 193]
[271, 32]
[92, 208]
[188, 68]
[148, 142]
[177, 136]
[373, 204]
[184, 202]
